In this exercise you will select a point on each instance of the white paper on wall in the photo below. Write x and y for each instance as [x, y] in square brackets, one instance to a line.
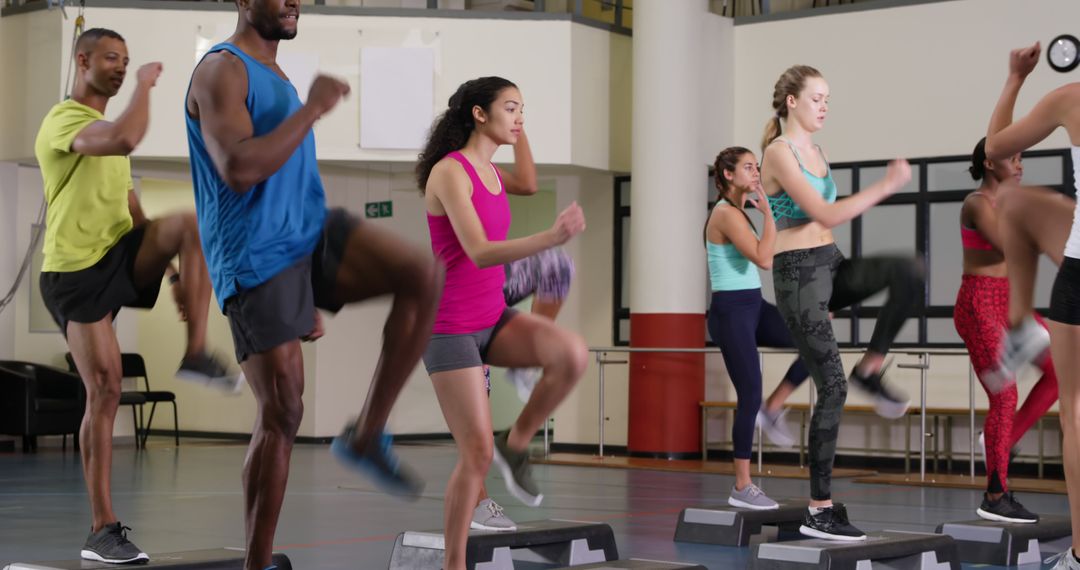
[397, 95]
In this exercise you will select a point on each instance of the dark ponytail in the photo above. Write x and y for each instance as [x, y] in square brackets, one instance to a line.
[452, 129]
[978, 160]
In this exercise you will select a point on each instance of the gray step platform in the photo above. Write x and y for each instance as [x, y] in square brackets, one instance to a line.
[981, 541]
[215, 559]
[734, 526]
[550, 542]
[639, 563]
[886, 549]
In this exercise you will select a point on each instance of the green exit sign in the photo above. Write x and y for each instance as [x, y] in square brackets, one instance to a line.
[379, 209]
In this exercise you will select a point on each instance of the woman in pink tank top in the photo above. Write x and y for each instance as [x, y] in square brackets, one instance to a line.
[468, 217]
[981, 314]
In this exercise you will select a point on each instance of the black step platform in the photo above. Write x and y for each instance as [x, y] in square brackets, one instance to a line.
[639, 563]
[734, 526]
[214, 559]
[886, 549]
[550, 541]
[981, 541]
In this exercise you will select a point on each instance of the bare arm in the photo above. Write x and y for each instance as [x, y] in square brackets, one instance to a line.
[120, 137]
[730, 223]
[219, 89]
[787, 173]
[451, 186]
[984, 218]
[138, 218]
[522, 181]
[1004, 137]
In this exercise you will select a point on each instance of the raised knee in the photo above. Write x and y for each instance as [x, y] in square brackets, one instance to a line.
[575, 356]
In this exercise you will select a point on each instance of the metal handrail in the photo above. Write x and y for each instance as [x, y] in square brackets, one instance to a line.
[923, 366]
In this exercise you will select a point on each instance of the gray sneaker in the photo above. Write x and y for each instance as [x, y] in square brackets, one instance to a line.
[110, 545]
[775, 427]
[488, 515]
[1064, 560]
[751, 498]
[517, 472]
[208, 370]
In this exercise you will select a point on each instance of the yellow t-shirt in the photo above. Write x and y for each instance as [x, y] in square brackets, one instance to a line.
[87, 196]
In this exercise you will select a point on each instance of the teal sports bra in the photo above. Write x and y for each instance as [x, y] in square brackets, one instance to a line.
[788, 214]
[730, 270]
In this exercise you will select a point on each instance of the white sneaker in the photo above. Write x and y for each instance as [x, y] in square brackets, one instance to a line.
[1020, 347]
[1064, 560]
[524, 379]
[775, 427]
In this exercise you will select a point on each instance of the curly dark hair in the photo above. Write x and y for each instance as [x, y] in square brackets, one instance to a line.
[452, 129]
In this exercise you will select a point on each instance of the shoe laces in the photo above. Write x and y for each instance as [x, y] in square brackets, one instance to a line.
[1056, 559]
[753, 490]
[495, 509]
[119, 535]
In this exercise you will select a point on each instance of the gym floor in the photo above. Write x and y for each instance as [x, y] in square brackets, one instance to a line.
[189, 498]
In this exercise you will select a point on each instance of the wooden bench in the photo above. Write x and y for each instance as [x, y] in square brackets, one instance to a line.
[936, 413]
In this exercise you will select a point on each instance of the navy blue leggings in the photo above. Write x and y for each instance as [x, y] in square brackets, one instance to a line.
[739, 322]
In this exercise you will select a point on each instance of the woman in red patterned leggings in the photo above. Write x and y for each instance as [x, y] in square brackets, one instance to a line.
[981, 314]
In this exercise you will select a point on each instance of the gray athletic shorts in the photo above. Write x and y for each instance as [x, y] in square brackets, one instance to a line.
[468, 350]
[283, 308]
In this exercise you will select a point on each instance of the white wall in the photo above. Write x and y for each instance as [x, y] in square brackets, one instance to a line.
[912, 81]
[9, 259]
[534, 54]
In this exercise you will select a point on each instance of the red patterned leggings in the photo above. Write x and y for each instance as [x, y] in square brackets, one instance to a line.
[981, 313]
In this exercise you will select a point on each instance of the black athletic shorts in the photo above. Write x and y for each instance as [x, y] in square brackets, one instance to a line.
[1065, 295]
[91, 294]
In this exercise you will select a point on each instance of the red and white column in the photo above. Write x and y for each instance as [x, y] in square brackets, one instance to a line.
[668, 205]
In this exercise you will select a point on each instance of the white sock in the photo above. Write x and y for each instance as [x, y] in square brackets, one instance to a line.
[816, 510]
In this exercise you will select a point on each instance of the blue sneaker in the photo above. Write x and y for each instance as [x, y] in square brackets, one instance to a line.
[379, 464]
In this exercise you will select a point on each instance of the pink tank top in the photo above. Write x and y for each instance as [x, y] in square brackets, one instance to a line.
[472, 298]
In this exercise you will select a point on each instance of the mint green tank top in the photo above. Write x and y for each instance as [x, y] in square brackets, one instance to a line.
[729, 270]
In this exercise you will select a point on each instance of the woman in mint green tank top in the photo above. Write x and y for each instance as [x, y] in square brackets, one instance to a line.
[740, 320]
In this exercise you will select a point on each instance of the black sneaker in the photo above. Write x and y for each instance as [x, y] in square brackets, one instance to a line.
[888, 402]
[110, 545]
[831, 524]
[517, 471]
[1006, 509]
[208, 370]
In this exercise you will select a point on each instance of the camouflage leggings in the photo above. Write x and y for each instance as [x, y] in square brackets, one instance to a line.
[811, 282]
[546, 274]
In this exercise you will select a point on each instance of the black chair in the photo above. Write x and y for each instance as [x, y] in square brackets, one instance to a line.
[133, 366]
[36, 399]
[135, 399]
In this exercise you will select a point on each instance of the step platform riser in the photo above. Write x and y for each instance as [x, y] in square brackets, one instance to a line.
[1002, 544]
[214, 559]
[548, 542]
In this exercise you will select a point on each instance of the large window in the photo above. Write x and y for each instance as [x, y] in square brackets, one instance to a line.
[923, 219]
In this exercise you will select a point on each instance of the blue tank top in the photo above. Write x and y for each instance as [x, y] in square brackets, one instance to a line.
[249, 238]
[729, 270]
[786, 212]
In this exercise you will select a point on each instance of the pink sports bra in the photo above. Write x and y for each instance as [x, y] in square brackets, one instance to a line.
[971, 238]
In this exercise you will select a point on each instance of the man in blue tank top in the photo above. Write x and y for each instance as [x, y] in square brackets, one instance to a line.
[275, 255]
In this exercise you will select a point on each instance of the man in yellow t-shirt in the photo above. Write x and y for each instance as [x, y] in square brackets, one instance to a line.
[101, 254]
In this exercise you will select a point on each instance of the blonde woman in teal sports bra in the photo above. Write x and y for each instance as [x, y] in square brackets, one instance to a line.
[811, 278]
